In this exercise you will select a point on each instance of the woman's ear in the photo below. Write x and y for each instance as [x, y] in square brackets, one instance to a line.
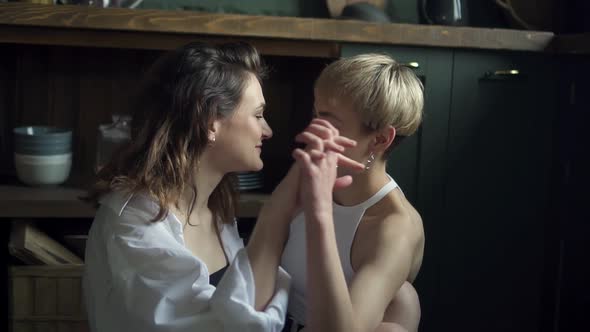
[383, 139]
[213, 130]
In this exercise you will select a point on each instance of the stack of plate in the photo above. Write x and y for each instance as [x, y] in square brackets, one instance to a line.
[249, 181]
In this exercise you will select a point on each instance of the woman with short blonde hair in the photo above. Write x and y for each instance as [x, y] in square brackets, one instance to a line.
[365, 246]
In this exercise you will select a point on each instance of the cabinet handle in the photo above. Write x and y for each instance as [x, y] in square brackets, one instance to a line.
[502, 74]
[411, 64]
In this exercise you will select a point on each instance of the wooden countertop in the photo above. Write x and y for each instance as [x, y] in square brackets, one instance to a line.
[64, 202]
[159, 29]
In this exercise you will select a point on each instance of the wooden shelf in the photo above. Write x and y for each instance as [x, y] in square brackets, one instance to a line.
[249, 204]
[63, 202]
[159, 29]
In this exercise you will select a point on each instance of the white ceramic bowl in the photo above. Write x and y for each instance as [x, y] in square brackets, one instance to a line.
[43, 170]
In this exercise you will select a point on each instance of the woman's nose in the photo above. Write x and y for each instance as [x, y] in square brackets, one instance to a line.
[266, 131]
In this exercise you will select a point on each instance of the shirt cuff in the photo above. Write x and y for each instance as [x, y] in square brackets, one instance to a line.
[235, 295]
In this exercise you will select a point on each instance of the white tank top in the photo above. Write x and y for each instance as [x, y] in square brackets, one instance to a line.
[346, 221]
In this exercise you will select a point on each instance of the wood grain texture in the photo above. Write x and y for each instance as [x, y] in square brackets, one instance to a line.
[69, 290]
[45, 296]
[22, 296]
[72, 18]
[46, 326]
[63, 271]
[24, 202]
[7, 103]
[158, 40]
[23, 327]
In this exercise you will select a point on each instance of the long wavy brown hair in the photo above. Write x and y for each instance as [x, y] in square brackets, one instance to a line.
[183, 92]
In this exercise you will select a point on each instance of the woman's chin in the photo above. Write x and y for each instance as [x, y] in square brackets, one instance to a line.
[253, 167]
[259, 166]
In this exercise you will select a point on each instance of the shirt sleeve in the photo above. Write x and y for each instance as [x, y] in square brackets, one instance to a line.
[161, 286]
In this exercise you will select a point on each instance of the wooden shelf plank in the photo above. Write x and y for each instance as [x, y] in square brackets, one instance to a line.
[249, 204]
[157, 40]
[64, 202]
[28, 202]
[178, 25]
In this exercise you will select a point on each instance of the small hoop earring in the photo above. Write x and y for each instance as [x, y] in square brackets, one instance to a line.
[370, 161]
[211, 140]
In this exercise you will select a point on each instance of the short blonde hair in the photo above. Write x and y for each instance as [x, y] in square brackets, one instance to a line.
[383, 91]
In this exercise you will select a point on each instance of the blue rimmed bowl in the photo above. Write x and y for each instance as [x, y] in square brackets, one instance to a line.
[42, 154]
[42, 140]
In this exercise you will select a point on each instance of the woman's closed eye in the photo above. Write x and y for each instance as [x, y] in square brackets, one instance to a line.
[259, 111]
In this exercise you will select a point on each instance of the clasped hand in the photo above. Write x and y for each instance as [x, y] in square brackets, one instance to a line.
[313, 176]
[318, 163]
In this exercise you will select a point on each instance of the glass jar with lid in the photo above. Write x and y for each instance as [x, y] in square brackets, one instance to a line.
[111, 137]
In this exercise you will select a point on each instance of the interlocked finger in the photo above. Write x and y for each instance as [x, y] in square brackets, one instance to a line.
[317, 155]
[349, 163]
[320, 130]
[326, 124]
[311, 141]
[344, 142]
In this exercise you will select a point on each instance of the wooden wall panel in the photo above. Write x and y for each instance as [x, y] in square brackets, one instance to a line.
[70, 87]
[80, 88]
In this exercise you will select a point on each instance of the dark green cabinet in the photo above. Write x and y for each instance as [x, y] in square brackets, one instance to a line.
[418, 164]
[434, 69]
[479, 171]
[498, 193]
[574, 181]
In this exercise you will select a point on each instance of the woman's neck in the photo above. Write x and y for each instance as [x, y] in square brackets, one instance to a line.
[364, 185]
[205, 179]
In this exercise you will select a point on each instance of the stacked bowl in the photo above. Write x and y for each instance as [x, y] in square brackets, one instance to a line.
[42, 155]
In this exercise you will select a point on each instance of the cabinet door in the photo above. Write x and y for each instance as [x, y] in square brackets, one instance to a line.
[418, 164]
[497, 204]
[574, 214]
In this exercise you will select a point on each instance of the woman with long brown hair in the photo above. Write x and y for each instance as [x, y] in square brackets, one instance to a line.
[163, 252]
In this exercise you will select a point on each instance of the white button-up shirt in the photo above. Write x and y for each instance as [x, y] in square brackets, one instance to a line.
[140, 277]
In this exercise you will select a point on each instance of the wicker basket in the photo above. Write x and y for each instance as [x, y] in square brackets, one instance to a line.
[47, 298]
